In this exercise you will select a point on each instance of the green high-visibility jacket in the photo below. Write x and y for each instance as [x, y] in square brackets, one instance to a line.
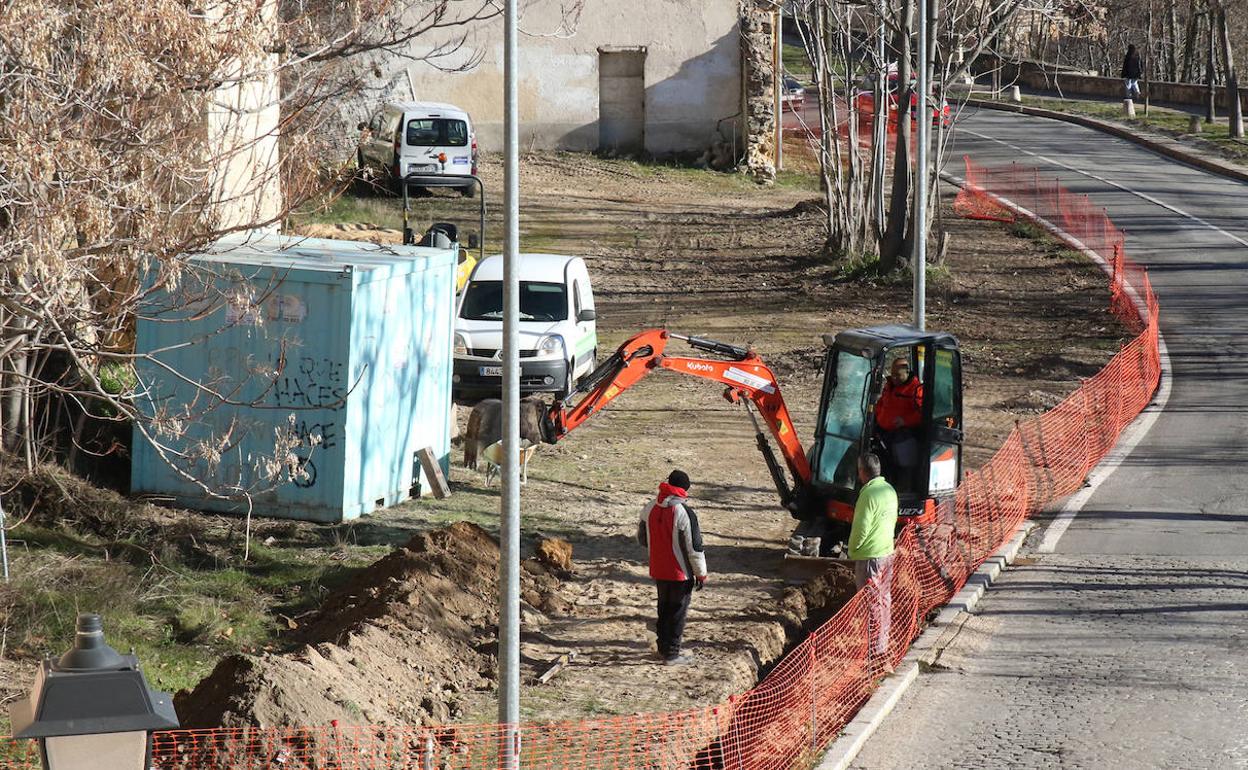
[875, 519]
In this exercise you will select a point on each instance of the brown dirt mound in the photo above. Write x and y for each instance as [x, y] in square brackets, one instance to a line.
[403, 643]
[556, 553]
[353, 231]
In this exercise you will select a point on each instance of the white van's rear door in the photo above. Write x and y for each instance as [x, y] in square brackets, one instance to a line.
[437, 144]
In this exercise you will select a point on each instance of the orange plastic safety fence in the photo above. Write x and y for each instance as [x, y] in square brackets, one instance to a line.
[817, 687]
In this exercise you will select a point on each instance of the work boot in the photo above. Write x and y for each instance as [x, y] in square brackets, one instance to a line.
[679, 659]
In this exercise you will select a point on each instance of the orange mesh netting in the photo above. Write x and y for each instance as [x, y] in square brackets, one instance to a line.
[815, 690]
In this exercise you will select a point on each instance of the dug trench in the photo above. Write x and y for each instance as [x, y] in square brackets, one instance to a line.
[411, 640]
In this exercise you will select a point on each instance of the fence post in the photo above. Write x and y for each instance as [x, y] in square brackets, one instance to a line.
[1088, 451]
[733, 712]
[427, 762]
[1035, 191]
[814, 697]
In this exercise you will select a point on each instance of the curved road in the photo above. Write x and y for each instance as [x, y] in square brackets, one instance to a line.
[1128, 645]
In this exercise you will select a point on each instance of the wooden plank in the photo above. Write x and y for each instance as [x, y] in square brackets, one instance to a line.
[433, 472]
[560, 664]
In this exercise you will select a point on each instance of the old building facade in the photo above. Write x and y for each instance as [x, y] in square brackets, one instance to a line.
[656, 77]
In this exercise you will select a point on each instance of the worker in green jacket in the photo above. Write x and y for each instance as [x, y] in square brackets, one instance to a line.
[871, 548]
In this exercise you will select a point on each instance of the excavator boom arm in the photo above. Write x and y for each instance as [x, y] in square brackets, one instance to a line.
[747, 379]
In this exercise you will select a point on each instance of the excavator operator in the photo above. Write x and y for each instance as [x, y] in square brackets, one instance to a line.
[898, 414]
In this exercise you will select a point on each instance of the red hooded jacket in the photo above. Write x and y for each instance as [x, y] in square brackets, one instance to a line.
[671, 532]
[904, 401]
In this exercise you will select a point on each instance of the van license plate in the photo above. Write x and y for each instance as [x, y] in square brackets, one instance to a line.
[414, 169]
[491, 371]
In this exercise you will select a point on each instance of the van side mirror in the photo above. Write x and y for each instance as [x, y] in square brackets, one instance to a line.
[474, 240]
[586, 314]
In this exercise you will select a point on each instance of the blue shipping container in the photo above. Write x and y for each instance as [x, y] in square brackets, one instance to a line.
[342, 346]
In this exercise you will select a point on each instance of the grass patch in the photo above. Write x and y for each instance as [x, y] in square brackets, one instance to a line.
[380, 209]
[1023, 228]
[798, 180]
[795, 61]
[178, 619]
[1049, 243]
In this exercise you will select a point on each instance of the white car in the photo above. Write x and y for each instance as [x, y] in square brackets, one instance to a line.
[558, 331]
[419, 138]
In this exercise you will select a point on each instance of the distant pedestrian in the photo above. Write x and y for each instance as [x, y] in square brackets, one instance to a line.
[1132, 71]
[871, 548]
[669, 529]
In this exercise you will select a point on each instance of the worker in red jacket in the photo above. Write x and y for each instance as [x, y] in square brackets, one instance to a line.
[669, 529]
[898, 412]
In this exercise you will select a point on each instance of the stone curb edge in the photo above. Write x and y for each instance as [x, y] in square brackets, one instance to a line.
[923, 652]
[1166, 148]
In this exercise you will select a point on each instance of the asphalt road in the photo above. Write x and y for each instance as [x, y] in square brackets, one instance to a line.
[1128, 646]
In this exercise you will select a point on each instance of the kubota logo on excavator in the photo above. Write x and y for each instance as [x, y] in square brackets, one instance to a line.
[693, 366]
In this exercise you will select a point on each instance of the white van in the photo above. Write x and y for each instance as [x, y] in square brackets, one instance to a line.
[558, 332]
[419, 138]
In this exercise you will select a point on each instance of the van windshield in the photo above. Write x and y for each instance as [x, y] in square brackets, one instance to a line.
[483, 301]
[437, 132]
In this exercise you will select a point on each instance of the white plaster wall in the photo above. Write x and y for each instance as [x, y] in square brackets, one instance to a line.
[692, 77]
[242, 118]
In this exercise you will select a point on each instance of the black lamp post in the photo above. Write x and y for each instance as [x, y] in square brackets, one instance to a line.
[92, 708]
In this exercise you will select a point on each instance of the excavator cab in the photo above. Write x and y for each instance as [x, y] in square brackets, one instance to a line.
[921, 459]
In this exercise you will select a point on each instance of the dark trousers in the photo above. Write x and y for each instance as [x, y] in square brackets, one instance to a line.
[673, 606]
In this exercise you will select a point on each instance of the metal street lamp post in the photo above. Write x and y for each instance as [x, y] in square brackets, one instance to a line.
[920, 193]
[92, 708]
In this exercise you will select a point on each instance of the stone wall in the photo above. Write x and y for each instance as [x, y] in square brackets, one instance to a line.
[1042, 77]
[758, 64]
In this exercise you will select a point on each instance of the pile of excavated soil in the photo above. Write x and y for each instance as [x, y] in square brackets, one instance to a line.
[405, 642]
[353, 231]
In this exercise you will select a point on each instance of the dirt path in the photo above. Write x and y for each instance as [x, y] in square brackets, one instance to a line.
[713, 255]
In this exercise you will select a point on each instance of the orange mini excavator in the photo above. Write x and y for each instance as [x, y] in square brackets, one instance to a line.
[821, 485]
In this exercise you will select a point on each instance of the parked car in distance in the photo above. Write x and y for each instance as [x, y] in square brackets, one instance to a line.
[558, 330]
[793, 93]
[419, 138]
[864, 102]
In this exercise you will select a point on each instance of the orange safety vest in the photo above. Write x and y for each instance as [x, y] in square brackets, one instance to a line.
[904, 401]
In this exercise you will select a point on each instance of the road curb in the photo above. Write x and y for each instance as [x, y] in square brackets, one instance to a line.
[1170, 149]
[922, 653]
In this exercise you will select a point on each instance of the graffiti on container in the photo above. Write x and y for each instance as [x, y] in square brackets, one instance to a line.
[313, 437]
[311, 382]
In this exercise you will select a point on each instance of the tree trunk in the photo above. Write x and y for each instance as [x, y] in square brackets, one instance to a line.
[1189, 43]
[925, 113]
[1236, 110]
[1211, 95]
[894, 242]
[16, 387]
[1172, 40]
[879, 131]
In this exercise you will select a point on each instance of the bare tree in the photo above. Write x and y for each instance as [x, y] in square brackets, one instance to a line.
[1235, 108]
[870, 208]
[1211, 65]
[132, 134]
[845, 180]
